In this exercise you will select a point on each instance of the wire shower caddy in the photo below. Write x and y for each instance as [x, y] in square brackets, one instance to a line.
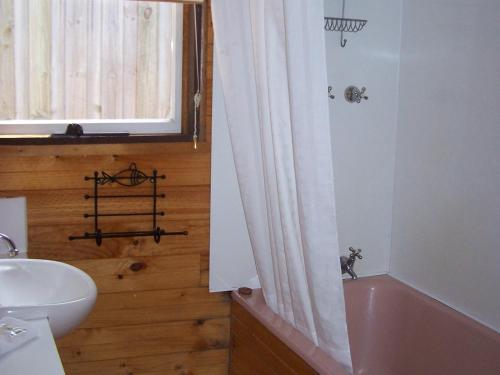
[342, 24]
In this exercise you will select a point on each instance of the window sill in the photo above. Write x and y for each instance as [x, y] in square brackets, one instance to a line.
[83, 140]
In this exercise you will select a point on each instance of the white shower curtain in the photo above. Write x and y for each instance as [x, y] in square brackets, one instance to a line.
[271, 56]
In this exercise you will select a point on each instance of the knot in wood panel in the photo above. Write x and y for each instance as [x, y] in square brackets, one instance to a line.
[137, 266]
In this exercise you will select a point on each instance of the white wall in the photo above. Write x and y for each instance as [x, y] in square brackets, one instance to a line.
[364, 134]
[14, 224]
[231, 259]
[446, 218]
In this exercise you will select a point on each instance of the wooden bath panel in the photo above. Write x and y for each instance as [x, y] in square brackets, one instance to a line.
[255, 350]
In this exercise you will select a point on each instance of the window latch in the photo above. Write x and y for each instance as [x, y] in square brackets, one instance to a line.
[76, 131]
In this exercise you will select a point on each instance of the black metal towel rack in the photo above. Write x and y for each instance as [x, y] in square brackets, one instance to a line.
[128, 177]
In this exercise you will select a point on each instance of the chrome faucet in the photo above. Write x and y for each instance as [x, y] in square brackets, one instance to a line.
[347, 262]
[12, 246]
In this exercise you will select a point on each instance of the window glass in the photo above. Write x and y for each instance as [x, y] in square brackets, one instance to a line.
[110, 65]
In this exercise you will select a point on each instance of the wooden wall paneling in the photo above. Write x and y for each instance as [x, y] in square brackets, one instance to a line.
[108, 150]
[159, 319]
[204, 268]
[55, 244]
[129, 308]
[184, 170]
[66, 207]
[95, 344]
[200, 363]
[152, 273]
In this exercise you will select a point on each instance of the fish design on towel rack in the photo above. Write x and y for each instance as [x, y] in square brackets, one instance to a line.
[127, 177]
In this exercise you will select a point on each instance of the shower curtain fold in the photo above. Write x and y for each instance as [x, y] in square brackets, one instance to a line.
[271, 56]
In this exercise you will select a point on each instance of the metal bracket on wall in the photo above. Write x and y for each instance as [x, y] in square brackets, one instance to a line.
[128, 177]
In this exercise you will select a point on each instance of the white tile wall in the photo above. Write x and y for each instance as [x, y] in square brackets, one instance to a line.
[13, 223]
[446, 231]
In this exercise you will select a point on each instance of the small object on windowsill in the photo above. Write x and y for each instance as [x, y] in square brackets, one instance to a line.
[245, 291]
[76, 131]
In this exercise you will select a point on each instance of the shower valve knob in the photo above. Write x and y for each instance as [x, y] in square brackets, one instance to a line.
[355, 253]
[330, 92]
[354, 95]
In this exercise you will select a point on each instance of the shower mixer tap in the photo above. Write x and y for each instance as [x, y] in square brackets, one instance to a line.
[13, 251]
[331, 95]
[354, 95]
[347, 262]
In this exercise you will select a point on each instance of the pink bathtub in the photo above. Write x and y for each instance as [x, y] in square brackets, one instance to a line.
[394, 330]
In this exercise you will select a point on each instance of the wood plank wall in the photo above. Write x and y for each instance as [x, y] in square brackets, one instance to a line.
[160, 319]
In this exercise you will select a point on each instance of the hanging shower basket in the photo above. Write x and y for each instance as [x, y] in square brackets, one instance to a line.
[342, 24]
[350, 25]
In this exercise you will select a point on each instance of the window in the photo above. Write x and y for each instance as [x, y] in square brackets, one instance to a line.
[112, 66]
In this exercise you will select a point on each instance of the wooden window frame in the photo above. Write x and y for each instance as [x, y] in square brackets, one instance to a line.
[188, 91]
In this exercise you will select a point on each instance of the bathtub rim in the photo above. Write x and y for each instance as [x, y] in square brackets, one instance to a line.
[318, 359]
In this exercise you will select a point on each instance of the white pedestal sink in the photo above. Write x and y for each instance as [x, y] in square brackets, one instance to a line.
[34, 289]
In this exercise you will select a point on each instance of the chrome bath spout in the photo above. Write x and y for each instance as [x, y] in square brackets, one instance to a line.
[347, 262]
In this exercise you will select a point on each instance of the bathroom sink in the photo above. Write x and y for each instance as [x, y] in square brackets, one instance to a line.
[35, 289]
